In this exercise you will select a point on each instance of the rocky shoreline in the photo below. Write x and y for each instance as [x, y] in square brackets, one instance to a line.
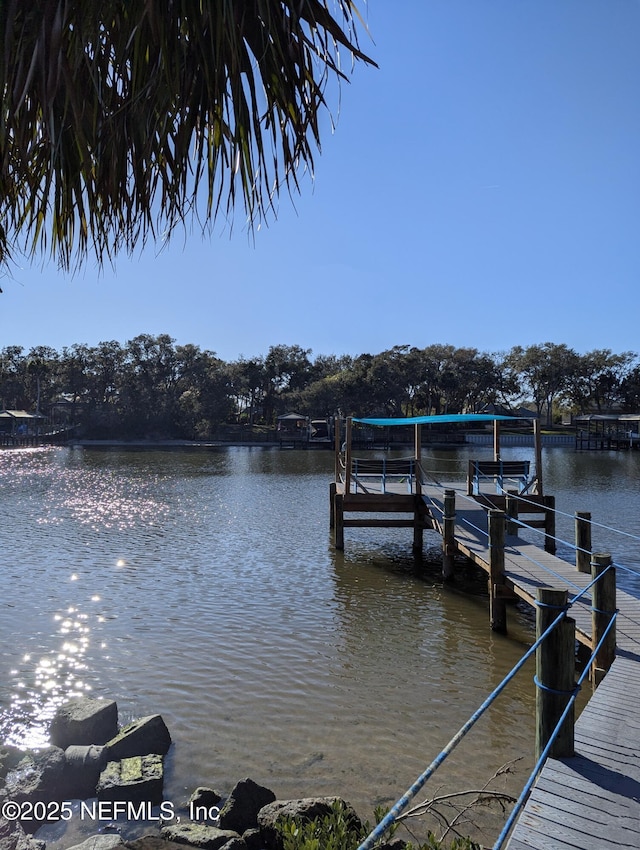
[115, 775]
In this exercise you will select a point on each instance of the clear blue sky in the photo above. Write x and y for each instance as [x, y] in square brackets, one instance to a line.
[482, 189]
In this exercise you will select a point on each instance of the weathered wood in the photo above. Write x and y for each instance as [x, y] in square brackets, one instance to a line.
[555, 673]
[338, 513]
[332, 496]
[603, 607]
[550, 525]
[418, 458]
[537, 448]
[448, 535]
[583, 541]
[497, 604]
[347, 457]
[511, 511]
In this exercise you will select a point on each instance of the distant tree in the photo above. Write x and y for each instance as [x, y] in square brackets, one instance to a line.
[287, 371]
[121, 118]
[42, 364]
[545, 372]
[13, 391]
[597, 381]
[630, 391]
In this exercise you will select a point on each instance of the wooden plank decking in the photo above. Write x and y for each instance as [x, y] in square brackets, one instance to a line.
[590, 801]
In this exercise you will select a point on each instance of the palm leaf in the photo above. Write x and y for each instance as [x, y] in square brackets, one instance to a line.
[124, 118]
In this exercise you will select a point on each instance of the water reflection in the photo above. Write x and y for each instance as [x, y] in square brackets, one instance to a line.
[203, 586]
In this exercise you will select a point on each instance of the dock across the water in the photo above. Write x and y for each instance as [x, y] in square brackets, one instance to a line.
[586, 794]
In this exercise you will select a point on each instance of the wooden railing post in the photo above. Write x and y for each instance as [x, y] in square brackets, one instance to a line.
[511, 510]
[555, 673]
[603, 602]
[497, 601]
[448, 535]
[583, 541]
[550, 524]
[337, 434]
[418, 458]
[347, 458]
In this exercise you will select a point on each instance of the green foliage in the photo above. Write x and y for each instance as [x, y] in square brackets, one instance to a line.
[120, 118]
[339, 831]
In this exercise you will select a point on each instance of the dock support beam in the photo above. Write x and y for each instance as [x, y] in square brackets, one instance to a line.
[497, 596]
[555, 673]
[448, 535]
[603, 608]
[583, 541]
[338, 515]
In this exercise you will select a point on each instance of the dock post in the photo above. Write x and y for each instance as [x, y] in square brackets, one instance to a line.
[550, 524]
[555, 673]
[583, 541]
[511, 510]
[332, 495]
[418, 526]
[497, 600]
[603, 608]
[338, 513]
[448, 535]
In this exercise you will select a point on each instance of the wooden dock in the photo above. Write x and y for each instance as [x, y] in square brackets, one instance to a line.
[590, 800]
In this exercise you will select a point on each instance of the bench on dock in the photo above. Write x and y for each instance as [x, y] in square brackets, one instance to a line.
[378, 471]
[500, 473]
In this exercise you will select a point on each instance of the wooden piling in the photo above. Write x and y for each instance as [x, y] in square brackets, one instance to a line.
[497, 600]
[555, 674]
[537, 448]
[332, 496]
[550, 524]
[583, 541]
[603, 598]
[418, 526]
[338, 513]
[448, 535]
[511, 511]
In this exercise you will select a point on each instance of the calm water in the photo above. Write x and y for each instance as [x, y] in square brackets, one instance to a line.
[203, 586]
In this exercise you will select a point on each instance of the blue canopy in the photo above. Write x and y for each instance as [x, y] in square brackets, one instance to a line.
[446, 418]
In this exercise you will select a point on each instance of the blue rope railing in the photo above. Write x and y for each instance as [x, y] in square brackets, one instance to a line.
[520, 802]
[399, 807]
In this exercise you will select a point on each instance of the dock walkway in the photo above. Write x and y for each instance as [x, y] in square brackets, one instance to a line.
[590, 801]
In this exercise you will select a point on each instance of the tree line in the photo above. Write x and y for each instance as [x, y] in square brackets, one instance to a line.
[150, 387]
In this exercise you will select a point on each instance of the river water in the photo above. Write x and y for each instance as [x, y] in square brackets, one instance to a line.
[202, 585]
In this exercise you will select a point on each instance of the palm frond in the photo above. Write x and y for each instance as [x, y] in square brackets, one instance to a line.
[118, 116]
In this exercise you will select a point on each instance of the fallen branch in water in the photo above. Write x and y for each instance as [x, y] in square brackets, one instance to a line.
[450, 810]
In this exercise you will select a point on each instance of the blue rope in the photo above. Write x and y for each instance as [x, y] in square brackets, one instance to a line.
[404, 801]
[543, 756]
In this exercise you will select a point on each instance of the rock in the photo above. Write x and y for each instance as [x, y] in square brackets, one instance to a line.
[153, 842]
[236, 843]
[84, 766]
[240, 811]
[84, 721]
[100, 842]
[199, 835]
[9, 758]
[144, 736]
[203, 796]
[253, 839]
[38, 777]
[305, 809]
[136, 779]
[13, 837]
